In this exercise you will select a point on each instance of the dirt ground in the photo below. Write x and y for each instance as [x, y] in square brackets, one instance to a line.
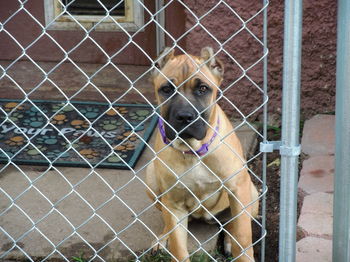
[272, 208]
[272, 203]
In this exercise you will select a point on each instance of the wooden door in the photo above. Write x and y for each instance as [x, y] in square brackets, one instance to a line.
[44, 31]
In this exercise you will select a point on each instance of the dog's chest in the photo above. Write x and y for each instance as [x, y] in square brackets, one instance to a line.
[200, 180]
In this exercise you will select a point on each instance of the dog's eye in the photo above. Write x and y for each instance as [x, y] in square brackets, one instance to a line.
[167, 89]
[202, 89]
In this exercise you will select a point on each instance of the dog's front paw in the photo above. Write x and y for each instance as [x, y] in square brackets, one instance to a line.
[160, 243]
[228, 250]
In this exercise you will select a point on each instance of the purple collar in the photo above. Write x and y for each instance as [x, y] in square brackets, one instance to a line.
[201, 151]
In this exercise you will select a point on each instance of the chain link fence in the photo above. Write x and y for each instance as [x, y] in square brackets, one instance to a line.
[93, 214]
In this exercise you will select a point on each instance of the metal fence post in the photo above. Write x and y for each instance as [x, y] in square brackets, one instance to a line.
[265, 115]
[341, 208]
[290, 148]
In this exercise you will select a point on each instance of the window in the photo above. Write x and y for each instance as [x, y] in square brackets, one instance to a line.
[93, 7]
[62, 14]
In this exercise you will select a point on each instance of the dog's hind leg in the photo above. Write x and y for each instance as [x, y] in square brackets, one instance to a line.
[255, 197]
[227, 243]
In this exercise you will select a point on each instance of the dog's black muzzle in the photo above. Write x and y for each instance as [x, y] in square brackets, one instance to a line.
[185, 123]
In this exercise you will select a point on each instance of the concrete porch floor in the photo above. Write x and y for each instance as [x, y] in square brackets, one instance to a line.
[92, 82]
[54, 225]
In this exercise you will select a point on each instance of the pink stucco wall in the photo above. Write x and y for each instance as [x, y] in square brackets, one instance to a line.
[318, 53]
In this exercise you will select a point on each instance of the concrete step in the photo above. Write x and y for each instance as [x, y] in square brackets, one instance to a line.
[316, 184]
[318, 136]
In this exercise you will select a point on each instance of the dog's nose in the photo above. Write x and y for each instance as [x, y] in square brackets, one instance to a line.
[184, 117]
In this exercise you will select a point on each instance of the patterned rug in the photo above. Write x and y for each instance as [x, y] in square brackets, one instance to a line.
[61, 134]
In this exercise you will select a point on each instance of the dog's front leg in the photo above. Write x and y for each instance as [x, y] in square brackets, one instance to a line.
[240, 228]
[176, 220]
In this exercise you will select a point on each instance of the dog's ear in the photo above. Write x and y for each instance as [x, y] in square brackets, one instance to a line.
[215, 65]
[162, 59]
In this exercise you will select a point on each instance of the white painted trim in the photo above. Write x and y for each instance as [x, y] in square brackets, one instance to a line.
[62, 22]
[160, 35]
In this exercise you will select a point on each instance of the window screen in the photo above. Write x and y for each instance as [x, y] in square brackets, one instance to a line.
[93, 7]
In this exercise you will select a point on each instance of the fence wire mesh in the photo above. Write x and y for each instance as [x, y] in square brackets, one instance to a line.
[95, 214]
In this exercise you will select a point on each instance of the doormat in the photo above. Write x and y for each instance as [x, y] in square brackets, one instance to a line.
[114, 140]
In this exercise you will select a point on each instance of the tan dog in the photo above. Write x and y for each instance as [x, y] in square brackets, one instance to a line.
[198, 162]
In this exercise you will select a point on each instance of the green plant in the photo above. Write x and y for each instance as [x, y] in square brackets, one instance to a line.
[163, 256]
[158, 256]
[273, 131]
[200, 257]
[80, 258]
